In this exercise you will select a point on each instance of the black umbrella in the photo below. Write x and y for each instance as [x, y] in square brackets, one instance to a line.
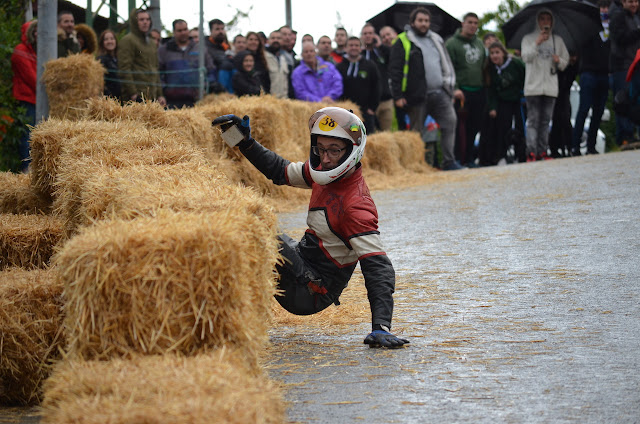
[575, 21]
[397, 16]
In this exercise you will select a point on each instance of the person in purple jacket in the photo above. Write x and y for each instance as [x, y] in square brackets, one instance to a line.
[315, 80]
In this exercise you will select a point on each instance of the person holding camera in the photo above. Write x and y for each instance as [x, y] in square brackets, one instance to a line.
[544, 54]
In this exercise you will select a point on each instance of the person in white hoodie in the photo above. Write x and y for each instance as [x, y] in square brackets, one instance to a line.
[544, 54]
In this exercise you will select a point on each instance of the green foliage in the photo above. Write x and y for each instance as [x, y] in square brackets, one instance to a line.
[493, 21]
[12, 18]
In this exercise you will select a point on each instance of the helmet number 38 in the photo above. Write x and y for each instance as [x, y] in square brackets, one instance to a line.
[327, 124]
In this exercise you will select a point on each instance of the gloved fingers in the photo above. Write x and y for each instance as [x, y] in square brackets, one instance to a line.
[226, 121]
[245, 121]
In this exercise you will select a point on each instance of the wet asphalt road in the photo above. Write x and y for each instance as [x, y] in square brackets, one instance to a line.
[518, 288]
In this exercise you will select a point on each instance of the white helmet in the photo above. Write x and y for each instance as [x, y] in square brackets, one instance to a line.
[344, 125]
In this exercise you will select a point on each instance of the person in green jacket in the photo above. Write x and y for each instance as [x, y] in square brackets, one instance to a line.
[138, 61]
[505, 79]
[468, 56]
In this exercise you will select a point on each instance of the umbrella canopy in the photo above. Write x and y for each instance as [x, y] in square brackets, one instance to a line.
[397, 16]
[575, 21]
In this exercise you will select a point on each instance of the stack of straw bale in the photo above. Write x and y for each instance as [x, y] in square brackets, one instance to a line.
[192, 126]
[142, 190]
[71, 80]
[57, 144]
[30, 336]
[28, 241]
[204, 389]
[185, 282]
[17, 196]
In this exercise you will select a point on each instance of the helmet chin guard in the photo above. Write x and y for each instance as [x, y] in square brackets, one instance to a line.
[335, 122]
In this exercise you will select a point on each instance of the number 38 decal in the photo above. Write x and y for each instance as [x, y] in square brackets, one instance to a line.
[327, 124]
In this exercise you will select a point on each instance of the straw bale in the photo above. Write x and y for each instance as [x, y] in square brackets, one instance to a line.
[204, 389]
[28, 241]
[184, 282]
[71, 80]
[30, 332]
[17, 196]
[192, 125]
[142, 190]
[216, 98]
[118, 143]
[395, 152]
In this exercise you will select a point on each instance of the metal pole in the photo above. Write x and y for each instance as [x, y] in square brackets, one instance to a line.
[113, 14]
[201, 51]
[154, 12]
[28, 11]
[88, 14]
[287, 7]
[47, 50]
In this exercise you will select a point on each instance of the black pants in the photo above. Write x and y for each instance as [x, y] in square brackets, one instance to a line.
[470, 117]
[561, 129]
[295, 274]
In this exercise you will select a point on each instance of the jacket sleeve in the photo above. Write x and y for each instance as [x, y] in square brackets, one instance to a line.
[162, 65]
[126, 53]
[157, 88]
[272, 165]
[377, 270]
[562, 52]
[23, 67]
[529, 50]
[374, 89]
[396, 69]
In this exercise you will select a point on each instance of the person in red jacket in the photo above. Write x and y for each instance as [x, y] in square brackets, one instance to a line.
[25, 68]
[342, 219]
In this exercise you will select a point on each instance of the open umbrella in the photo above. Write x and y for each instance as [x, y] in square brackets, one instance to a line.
[397, 16]
[575, 21]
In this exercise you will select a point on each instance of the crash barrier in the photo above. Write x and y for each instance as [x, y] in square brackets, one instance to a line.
[167, 240]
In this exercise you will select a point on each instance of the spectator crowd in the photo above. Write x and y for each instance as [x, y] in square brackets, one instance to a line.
[488, 105]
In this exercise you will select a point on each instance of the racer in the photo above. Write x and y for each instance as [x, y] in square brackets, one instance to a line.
[342, 220]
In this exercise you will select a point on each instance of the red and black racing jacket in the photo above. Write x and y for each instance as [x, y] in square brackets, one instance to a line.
[343, 229]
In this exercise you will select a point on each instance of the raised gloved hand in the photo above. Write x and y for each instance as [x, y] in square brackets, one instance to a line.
[381, 338]
[234, 129]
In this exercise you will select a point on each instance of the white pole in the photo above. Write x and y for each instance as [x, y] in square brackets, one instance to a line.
[47, 50]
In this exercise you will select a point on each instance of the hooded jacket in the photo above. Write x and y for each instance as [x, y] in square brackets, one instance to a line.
[467, 56]
[138, 61]
[67, 45]
[312, 85]
[245, 83]
[90, 39]
[24, 65]
[541, 77]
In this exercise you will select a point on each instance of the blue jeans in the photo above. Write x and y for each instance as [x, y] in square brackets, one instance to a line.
[594, 90]
[539, 112]
[624, 127]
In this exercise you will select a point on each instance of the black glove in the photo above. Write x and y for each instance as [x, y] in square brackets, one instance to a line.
[381, 338]
[242, 131]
